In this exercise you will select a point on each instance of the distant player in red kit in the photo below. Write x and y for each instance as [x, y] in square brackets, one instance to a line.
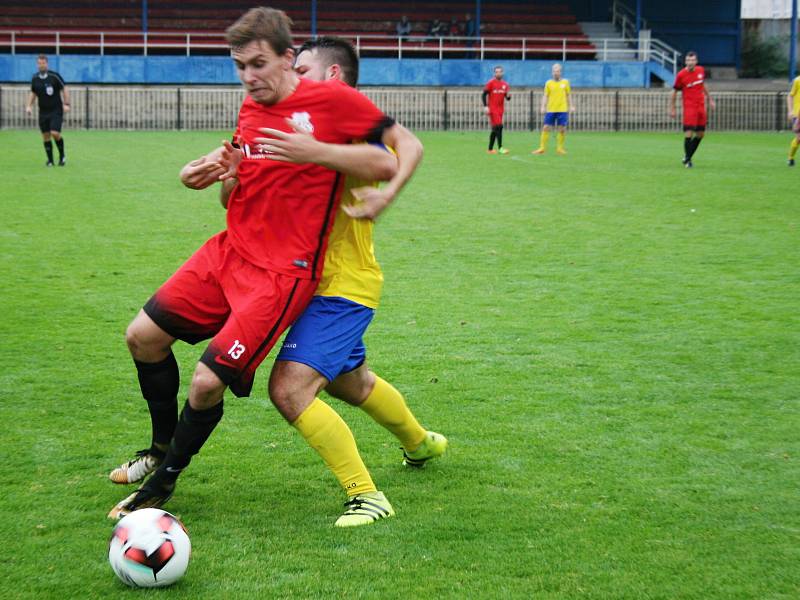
[690, 81]
[496, 91]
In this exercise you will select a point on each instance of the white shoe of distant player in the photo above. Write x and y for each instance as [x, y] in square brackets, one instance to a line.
[136, 469]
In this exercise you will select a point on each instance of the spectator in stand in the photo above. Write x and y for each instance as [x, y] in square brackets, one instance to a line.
[469, 32]
[469, 26]
[436, 29]
[403, 28]
[454, 29]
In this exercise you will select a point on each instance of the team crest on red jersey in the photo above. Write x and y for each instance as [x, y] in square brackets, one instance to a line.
[302, 120]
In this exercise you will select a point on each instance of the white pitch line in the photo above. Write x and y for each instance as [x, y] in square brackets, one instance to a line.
[518, 159]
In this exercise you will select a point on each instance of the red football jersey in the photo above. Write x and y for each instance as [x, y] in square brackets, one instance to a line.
[498, 90]
[690, 84]
[280, 214]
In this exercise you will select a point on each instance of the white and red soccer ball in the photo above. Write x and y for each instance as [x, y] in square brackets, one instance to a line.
[149, 548]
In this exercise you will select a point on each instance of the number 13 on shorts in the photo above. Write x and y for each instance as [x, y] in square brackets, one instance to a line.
[236, 350]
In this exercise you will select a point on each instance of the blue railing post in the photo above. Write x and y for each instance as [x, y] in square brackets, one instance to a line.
[478, 18]
[314, 19]
[793, 44]
[638, 17]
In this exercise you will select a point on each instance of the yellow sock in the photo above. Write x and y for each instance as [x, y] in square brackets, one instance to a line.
[793, 148]
[329, 435]
[543, 140]
[387, 406]
[560, 140]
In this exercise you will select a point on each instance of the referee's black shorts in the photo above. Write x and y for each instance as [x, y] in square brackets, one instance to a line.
[51, 121]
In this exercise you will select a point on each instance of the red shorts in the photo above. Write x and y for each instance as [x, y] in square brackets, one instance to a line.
[695, 116]
[216, 293]
[496, 117]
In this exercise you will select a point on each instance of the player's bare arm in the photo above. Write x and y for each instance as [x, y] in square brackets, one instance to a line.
[373, 201]
[790, 106]
[484, 96]
[358, 160]
[221, 164]
[226, 189]
[229, 158]
[672, 110]
[543, 107]
[29, 105]
[65, 98]
[202, 172]
[711, 104]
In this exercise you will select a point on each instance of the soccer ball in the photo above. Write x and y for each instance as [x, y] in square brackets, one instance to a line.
[149, 548]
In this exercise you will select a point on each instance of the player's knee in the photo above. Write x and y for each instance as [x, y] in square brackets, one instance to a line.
[354, 387]
[363, 387]
[143, 345]
[282, 392]
[133, 338]
[56, 135]
[207, 387]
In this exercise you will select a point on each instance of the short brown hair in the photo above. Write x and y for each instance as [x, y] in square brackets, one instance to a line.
[262, 24]
[42, 57]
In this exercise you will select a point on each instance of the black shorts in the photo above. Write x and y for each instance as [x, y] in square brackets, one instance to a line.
[51, 121]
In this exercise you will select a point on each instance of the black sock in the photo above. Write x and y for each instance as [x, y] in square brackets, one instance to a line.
[159, 383]
[60, 146]
[492, 137]
[499, 136]
[48, 147]
[695, 143]
[192, 431]
[687, 147]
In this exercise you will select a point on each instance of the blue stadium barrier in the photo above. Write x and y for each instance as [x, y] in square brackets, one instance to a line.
[217, 70]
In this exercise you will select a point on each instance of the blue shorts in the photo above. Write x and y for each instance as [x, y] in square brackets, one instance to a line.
[328, 336]
[556, 118]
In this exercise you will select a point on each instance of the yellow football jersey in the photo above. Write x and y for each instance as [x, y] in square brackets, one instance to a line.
[557, 92]
[351, 270]
[795, 94]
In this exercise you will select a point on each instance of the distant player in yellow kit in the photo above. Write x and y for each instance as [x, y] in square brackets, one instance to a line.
[556, 106]
[793, 104]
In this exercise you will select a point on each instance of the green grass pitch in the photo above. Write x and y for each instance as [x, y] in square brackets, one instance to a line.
[611, 343]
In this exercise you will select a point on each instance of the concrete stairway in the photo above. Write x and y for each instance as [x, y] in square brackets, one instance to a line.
[597, 31]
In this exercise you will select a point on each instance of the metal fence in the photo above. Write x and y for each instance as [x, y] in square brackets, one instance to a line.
[458, 109]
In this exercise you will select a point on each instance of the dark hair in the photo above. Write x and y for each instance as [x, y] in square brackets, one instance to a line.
[335, 51]
[691, 53]
[42, 57]
[261, 24]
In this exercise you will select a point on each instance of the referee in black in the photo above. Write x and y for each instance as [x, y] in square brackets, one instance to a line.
[50, 89]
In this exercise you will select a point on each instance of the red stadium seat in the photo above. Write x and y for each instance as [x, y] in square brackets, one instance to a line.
[170, 20]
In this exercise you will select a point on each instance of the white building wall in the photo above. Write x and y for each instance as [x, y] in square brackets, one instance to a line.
[766, 9]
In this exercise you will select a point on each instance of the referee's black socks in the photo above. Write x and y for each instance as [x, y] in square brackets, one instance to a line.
[60, 146]
[48, 148]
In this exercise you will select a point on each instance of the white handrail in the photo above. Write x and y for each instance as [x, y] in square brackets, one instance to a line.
[526, 48]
